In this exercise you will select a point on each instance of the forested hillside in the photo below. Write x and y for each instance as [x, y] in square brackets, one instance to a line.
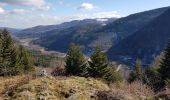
[145, 43]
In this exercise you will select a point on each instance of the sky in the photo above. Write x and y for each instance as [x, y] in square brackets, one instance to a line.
[29, 13]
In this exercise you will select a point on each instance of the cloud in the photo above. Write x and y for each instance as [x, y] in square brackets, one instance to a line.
[19, 11]
[108, 14]
[2, 11]
[86, 6]
[40, 4]
[44, 8]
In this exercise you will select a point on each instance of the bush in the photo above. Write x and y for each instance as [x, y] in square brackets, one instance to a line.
[112, 75]
[126, 91]
[137, 73]
[58, 71]
[152, 78]
[164, 69]
[167, 83]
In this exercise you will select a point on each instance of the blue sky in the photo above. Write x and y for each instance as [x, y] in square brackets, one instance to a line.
[29, 13]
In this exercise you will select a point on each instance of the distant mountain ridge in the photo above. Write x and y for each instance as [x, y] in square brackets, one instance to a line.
[41, 30]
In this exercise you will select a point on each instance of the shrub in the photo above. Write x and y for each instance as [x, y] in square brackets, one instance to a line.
[126, 91]
[58, 71]
[112, 75]
[137, 73]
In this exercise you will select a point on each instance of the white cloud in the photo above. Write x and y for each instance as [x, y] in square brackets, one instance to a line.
[19, 11]
[108, 14]
[44, 8]
[2, 11]
[40, 4]
[98, 15]
[86, 6]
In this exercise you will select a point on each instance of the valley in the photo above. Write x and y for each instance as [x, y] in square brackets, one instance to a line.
[108, 34]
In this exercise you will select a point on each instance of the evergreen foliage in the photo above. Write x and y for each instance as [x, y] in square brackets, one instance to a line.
[98, 64]
[75, 61]
[164, 70]
[137, 73]
[167, 83]
[9, 62]
[98, 67]
[112, 75]
[13, 61]
[26, 60]
[152, 78]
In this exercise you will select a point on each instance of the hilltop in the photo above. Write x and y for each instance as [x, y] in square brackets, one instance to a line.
[74, 88]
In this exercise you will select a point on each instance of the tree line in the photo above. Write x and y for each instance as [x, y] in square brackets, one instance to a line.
[14, 59]
[96, 66]
[157, 75]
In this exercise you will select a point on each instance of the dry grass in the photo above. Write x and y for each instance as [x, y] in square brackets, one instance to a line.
[60, 88]
[8, 81]
[134, 88]
[74, 88]
[126, 91]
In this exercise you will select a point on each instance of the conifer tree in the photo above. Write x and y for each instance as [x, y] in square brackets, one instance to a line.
[165, 65]
[25, 60]
[98, 66]
[75, 61]
[9, 57]
[137, 73]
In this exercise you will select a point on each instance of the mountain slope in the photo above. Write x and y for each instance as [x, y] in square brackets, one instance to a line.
[146, 43]
[59, 41]
[90, 35]
[126, 26]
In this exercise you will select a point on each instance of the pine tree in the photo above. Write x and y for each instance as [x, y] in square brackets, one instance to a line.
[8, 54]
[165, 65]
[25, 60]
[75, 61]
[98, 66]
[137, 73]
